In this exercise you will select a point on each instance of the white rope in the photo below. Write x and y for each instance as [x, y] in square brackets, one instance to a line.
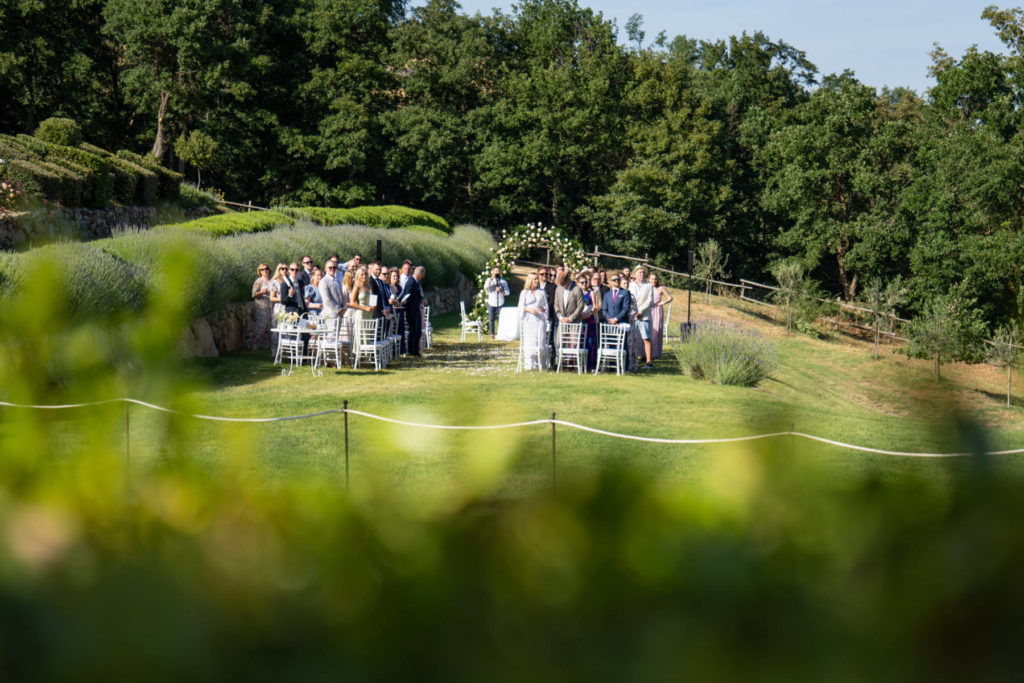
[572, 425]
[429, 426]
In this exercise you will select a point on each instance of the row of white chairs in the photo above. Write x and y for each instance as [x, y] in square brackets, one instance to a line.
[374, 340]
[476, 326]
[571, 351]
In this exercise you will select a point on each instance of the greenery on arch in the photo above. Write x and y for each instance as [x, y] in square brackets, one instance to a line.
[564, 249]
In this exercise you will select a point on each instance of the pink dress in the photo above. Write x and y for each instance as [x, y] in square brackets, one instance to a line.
[656, 318]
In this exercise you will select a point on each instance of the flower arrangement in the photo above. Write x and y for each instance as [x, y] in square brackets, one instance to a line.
[285, 318]
[524, 238]
[12, 195]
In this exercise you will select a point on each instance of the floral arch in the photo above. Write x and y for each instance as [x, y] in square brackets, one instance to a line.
[563, 248]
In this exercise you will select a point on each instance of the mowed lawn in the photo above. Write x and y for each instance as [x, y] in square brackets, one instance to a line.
[827, 387]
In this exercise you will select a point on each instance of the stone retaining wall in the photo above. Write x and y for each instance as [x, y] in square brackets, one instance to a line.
[21, 229]
[227, 329]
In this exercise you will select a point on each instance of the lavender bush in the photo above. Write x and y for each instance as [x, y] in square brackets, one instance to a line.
[726, 354]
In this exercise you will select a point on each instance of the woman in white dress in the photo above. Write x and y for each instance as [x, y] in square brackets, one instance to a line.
[533, 316]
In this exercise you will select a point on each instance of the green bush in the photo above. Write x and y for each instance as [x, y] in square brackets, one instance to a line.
[124, 183]
[374, 216]
[144, 181]
[191, 197]
[34, 145]
[168, 181]
[231, 223]
[59, 131]
[726, 354]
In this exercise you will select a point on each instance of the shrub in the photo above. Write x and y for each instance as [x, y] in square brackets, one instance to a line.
[726, 354]
[125, 181]
[33, 145]
[146, 181]
[231, 223]
[390, 216]
[93, 149]
[191, 197]
[60, 132]
[13, 148]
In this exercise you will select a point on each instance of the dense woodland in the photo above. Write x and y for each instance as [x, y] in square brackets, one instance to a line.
[653, 145]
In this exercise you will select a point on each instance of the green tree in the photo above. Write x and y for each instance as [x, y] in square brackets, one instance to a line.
[556, 130]
[883, 301]
[949, 328]
[1004, 352]
[710, 265]
[793, 286]
[198, 150]
[836, 174]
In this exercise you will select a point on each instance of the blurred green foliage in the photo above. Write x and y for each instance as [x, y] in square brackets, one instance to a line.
[766, 567]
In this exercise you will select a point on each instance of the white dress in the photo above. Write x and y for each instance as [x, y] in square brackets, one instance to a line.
[533, 327]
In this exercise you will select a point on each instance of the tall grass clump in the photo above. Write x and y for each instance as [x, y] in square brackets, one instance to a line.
[232, 223]
[389, 216]
[726, 354]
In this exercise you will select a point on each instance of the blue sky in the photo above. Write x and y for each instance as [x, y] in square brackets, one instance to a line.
[884, 43]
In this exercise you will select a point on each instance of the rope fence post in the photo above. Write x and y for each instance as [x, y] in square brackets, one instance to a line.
[554, 476]
[127, 433]
[345, 405]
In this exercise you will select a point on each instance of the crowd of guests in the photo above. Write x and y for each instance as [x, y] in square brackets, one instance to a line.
[351, 291]
[629, 298]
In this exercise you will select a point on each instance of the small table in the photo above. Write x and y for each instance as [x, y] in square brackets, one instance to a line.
[508, 324]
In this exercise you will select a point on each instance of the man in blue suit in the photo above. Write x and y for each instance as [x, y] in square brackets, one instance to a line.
[615, 305]
[412, 298]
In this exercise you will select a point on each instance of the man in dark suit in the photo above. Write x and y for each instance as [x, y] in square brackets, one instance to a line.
[305, 275]
[545, 284]
[377, 287]
[412, 299]
[293, 299]
[615, 307]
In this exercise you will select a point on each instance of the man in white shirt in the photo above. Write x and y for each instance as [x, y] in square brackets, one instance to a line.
[405, 274]
[497, 289]
[643, 292]
[330, 292]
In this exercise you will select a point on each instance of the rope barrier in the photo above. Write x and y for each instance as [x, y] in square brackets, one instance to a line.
[552, 421]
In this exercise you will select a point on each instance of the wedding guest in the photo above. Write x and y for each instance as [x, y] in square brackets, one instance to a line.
[262, 312]
[406, 273]
[412, 299]
[376, 287]
[292, 292]
[644, 296]
[533, 315]
[331, 295]
[591, 314]
[277, 289]
[497, 289]
[568, 299]
[597, 283]
[305, 276]
[311, 293]
[615, 306]
[358, 303]
[661, 298]
[348, 282]
[545, 284]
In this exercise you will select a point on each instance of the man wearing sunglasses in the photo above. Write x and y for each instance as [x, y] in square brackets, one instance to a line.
[330, 291]
[305, 274]
[544, 283]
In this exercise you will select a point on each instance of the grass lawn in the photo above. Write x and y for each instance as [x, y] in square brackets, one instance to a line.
[831, 388]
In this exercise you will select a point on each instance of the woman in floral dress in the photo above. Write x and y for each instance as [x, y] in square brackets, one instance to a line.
[661, 298]
[259, 334]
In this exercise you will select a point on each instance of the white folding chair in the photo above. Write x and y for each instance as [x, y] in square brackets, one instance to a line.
[289, 347]
[367, 342]
[329, 345]
[611, 347]
[571, 349]
[394, 339]
[470, 326]
[665, 320]
[531, 348]
[428, 329]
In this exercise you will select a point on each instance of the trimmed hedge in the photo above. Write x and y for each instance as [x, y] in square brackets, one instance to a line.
[35, 178]
[100, 192]
[232, 223]
[12, 148]
[168, 181]
[108, 277]
[72, 183]
[390, 216]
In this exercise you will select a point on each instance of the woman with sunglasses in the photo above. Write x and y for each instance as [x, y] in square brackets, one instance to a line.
[259, 334]
[277, 287]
